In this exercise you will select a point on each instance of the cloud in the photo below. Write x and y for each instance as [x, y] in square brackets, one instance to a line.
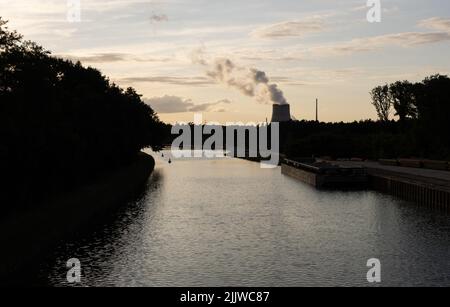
[224, 101]
[271, 58]
[405, 39]
[191, 81]
[386, 10]
[391, 10]
[252, 54]
[151, 59]
[359, 8]
[436, 23]
[97, 58]
[174, 104]
[111, 57]
[318, 75]
[169, 104]
[409, 39]
[210, 107]
[290, 29]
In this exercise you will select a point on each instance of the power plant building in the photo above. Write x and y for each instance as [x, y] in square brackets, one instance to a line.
[281, 113]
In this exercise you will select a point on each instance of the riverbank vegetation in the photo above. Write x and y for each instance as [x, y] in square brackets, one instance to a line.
[414, 122]
[63, 124]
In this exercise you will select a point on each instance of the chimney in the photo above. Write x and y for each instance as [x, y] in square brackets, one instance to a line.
[281, 113]
[317, 110]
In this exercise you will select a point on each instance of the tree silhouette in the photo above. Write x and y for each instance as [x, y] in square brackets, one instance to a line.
[432, 98]
[381, 99]
[402, 95]
[62, 124]
[7, 38]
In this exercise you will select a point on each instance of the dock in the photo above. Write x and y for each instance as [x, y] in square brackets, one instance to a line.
[324, 175]
[426, 187]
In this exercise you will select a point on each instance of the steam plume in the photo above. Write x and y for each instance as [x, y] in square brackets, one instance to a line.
[249, 81]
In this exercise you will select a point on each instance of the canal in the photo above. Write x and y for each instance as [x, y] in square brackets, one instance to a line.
[227, 222]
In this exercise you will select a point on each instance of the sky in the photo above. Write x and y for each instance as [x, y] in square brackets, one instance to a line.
[168, 50]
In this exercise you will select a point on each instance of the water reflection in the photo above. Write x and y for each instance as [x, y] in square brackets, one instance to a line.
[226, 222]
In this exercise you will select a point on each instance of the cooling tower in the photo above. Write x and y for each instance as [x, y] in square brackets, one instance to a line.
[281, 113]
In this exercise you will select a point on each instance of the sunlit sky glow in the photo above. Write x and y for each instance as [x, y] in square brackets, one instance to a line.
[310, 48]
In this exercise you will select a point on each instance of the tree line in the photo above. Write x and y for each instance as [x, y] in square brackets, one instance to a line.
[63, 124]
[421, 131]
[417, 101]
[425, 105]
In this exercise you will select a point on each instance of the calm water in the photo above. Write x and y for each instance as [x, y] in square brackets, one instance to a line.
[229, 223]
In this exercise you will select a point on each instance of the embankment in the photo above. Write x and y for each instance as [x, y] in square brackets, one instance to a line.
[27, 236]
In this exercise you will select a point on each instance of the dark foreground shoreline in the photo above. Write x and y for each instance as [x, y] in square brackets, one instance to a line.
[26, 237]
